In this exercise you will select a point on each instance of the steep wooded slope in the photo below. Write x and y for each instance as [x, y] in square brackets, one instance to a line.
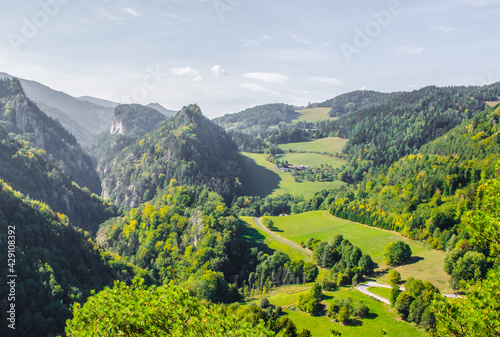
[188, 148]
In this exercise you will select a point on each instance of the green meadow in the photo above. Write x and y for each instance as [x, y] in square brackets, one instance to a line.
[384, 292]
[426, 264]
[381, 316]
[254, 235]
[312, 115]
[311, 159]
[331, 145]
[263, 179]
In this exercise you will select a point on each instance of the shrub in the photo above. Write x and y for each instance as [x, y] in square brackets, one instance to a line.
[394, 277]
[397, 253]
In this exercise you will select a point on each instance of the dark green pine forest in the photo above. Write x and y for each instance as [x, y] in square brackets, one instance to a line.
[145, 236]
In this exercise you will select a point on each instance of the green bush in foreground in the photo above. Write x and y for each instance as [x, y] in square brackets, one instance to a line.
[155, 311]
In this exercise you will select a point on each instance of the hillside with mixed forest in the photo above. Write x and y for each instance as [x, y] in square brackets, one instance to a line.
[188, 148]
[354, 101]
[21, 116]
[241, 225]
[54, 265]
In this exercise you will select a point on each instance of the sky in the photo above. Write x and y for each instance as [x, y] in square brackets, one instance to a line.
[229, 55]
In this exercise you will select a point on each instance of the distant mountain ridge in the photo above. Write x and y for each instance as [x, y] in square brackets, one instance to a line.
[161, 109]
[99, 101]
[85, 117]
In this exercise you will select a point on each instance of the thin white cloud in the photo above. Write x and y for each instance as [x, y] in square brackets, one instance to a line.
[480, 3]
[327, 80]
[257, 88]
[218, 71]
[299, 38]
[131, 11]
[197, 77]
[275, 78]
[443, 29]
[410, 50]
[300, 92]
[104, 13]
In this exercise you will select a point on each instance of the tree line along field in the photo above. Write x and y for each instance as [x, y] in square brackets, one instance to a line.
[331, 145]
[380, 317]
[426, 264]
[263, 179]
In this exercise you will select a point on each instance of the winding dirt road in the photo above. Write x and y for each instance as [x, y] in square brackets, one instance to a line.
[364, 288]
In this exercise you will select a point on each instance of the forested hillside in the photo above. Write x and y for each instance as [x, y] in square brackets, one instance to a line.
[54, 265]
[423, 195]
[130, 123]
[188, 148]
[32, 172]
[21, 116]
[478, 313]
[258, 119]
[354, 101]
[382, 134]
[186, 234]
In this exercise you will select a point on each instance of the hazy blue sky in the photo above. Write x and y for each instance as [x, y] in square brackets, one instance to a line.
[227, 55]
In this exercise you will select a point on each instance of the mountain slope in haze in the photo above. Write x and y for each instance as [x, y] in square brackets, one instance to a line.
[99, 101]
[83, 119]
[259, 118]
[21, 116]
[161, 109]
[188, 148]
[354, 101]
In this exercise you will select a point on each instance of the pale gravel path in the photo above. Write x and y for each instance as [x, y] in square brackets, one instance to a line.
[282, 239]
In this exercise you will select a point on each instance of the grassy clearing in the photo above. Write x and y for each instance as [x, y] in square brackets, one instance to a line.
[382, 317]
[332, 145]
[312, 115]
[384, 292]
[252, 233]
[312, 159]
[263, 179]
[427, 264]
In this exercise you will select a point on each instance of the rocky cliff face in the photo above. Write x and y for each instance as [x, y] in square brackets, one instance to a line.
[188, 148]
[135, 120]
[117, 126]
